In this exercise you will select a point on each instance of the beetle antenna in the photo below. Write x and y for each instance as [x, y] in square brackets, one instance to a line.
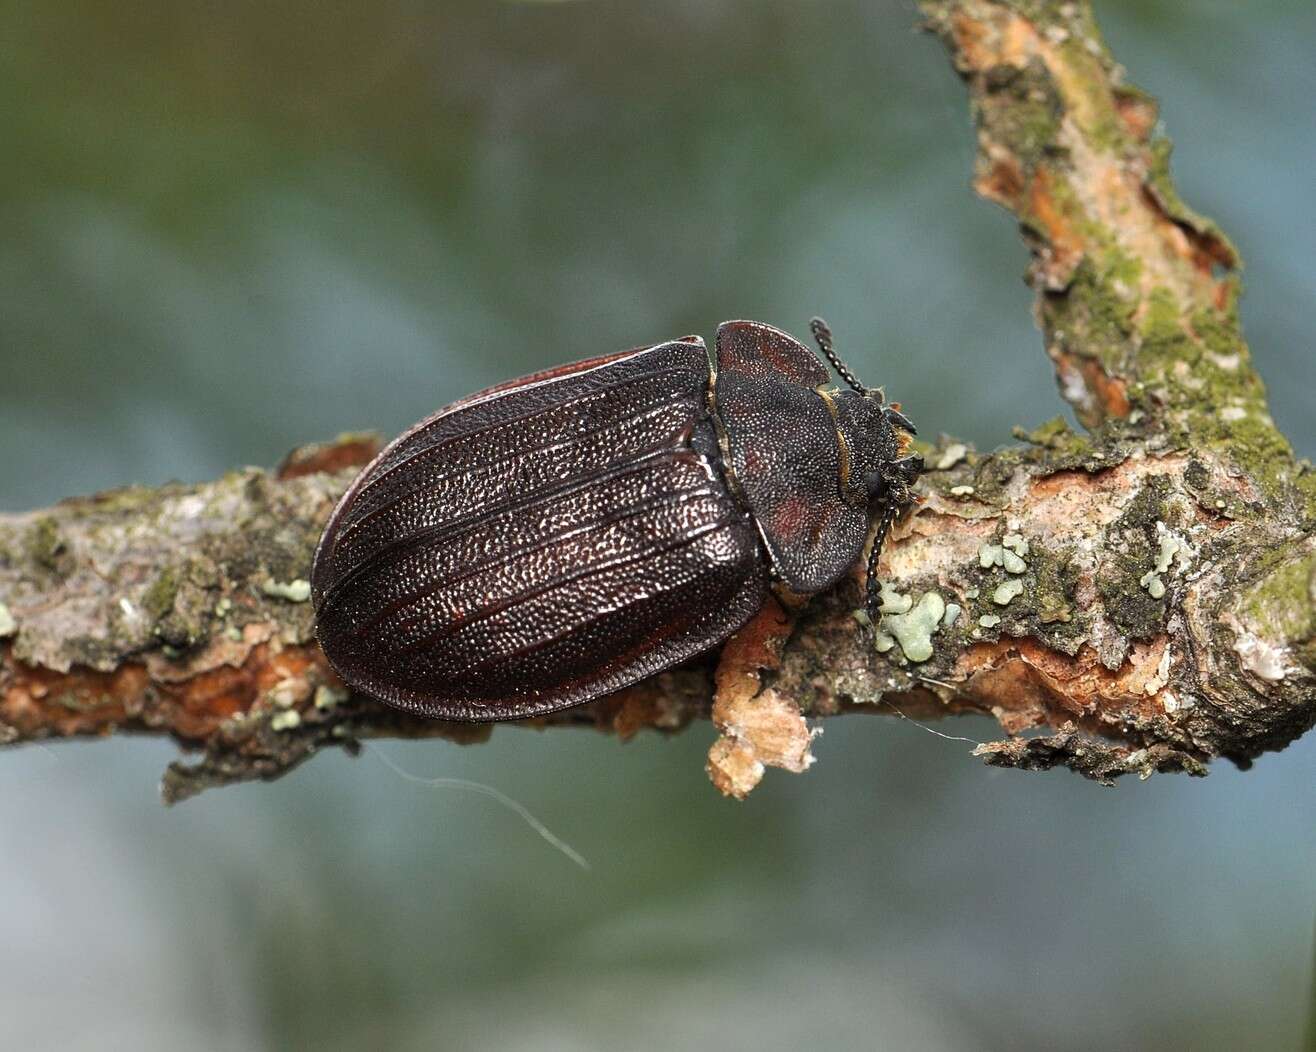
[822, 334]
[872, 592]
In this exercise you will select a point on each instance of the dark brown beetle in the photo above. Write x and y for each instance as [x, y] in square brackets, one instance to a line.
[555, 538]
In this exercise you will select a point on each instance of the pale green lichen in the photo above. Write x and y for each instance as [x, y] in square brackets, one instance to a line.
[907, 624]
[989, 620]
[1007, 591]
[882, 642]
[1154, 584]
[8, 626]
[297, 591]
[1173, 549]
[1015, 542]
[961, 491]
[954, 453]
[285, 720]
[892, 602]
[1130, 555]
[284, 694]
[952, 614]
[1008, 554]
[913, 629]
[327, 698]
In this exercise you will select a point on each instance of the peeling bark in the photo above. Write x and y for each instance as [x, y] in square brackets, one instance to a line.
[1143, 595]
[759, 726]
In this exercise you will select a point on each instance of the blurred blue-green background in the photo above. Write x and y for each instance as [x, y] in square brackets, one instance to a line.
[226, 229]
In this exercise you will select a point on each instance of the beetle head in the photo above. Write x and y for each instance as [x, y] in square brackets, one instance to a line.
[876, 434]
[891, 483]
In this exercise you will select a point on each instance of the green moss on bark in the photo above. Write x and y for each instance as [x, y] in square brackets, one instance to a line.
[1030, 111]
[45, 545]
[1280, 606]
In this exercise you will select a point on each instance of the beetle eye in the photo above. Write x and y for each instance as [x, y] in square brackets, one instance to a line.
[908, 468]
[876, 484]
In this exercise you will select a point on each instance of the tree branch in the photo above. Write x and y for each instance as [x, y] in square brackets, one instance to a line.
[1145, 593]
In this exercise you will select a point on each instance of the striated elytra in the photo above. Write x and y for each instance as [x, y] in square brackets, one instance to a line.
[555, 538]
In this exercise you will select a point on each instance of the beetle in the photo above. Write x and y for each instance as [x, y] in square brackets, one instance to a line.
[552, 539]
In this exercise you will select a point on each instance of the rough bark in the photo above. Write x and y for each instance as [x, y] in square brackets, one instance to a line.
[1140, 598]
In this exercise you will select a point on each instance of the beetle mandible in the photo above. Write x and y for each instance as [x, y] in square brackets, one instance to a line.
[555, 538]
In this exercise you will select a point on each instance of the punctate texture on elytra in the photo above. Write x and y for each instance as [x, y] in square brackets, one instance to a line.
[558, 537]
